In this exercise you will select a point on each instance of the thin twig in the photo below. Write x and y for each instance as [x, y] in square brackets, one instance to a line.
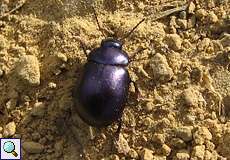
[169, 12]
[13, 10]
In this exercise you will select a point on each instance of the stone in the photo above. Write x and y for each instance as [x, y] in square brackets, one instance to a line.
[38, 109]
[165, 150]
[27, 70]
[182, 23]
[11, 104]
[210, 146]
[149, 107]
[1, 72]
[204, 44]
[174, 41]
[32, 147]
[52, 85]
[158, 138]
[212, 17]
[183, 15]
[198, 152]
[9, 129]
[191, 8]
[160, 68]
[62, 57]
[146, 154]
[133, 154]
[184, 133]
[201, 13]
[193, 98]
[122, 145]
[208, 155]
[201, 135]
[178, 143]
[182, 155]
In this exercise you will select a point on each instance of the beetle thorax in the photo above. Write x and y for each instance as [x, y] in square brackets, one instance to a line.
[109, 53]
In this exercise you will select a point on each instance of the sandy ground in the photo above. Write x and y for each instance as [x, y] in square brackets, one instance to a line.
[183, 76]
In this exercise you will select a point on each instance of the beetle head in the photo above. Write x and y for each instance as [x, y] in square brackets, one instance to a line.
[111, 42]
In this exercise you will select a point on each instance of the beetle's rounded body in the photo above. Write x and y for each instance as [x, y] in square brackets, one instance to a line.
[104, 86]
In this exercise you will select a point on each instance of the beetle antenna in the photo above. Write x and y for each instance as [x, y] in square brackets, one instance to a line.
[133, 29]
[98, 24]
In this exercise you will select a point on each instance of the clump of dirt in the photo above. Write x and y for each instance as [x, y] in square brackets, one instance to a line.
[183, 75]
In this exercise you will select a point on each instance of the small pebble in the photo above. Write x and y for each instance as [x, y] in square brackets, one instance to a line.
[184, 133]
[182, 23]
[174, 41]
[28, 70]
[62, 57]
[212, 17]
[148, 122]
[158, 138]
[9, 129]
[203, 45]
[122, 145]
[52, 85]
[183, 15]
[190, 119]
[32, 147]
[38, 109]
[201, 13]
[191, 8]
[1, 73]
[190, 97]
[182, 155]
[166, 150]
[208, 155]
[146, 154]
[160, 68]
[201, 135]
[11, 104]
[133, 154]
[178, 143]
[149, 107]
[198, 152]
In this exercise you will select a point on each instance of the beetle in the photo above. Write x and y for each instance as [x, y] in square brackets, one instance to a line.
[104, 86]
[103, 89]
